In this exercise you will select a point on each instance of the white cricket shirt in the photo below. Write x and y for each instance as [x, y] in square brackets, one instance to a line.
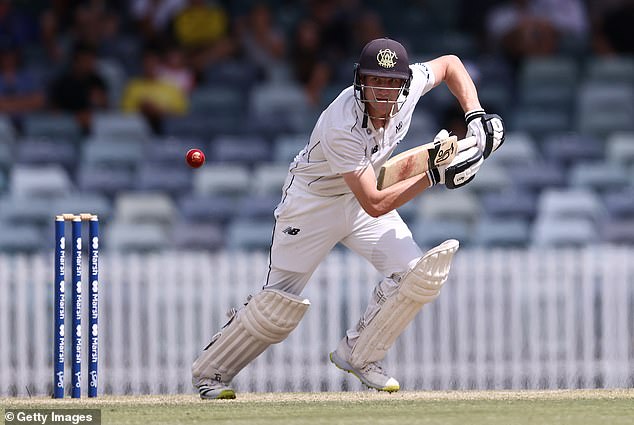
[339, 143]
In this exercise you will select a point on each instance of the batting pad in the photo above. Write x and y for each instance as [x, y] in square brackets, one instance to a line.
[268, 318]
[418, 287]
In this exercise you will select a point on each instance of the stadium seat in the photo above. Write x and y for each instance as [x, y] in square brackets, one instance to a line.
[240, 149]
[6, 156]
[613, 69]
[620, 204]
[618, 231]
[539, 121]
[104, 180]
[52, 126]
[279, 107]
[124, 127]
[599, 176]
[569, 148]
[249, 234]
[536, 70]
[234, 73]
[620, 148]
[287, 146]
[48, 181]
[490, 178]
[429, 233]
[84, 203]
[547, 95]
[556, 232]
[173, 179]
[196, 236]
[212, 208]
[518, 148]
[7, 133]
[172, 150]
[448, 204]
[537, 176]
[135, 207]
[494, 96]
[214, 178]
[510, 232]
[203, 126]
[509, 204]
[269, 178]
[601, 122]
[605, 107]
[20, 238]
[217, 98]
[46, 151]
[257, 206]
[271, 99]
[570, 203]
[111, 152]
[140, 236]
[27, 210]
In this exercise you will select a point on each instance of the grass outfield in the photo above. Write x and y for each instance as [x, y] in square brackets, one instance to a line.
[577, 407]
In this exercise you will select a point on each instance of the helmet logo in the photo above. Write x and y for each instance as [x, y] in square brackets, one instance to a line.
[386, 58]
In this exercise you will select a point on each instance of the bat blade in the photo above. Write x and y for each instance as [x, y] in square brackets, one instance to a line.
[416, 161]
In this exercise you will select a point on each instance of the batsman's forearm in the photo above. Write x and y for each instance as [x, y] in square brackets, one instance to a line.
[398, 194]
[461, 85]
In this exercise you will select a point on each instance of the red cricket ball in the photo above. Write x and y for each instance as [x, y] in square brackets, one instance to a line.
[195, 158]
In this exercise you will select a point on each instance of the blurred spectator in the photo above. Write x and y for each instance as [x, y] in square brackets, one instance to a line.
[203, 30]
[80, 89]
[613, 32]
[335, 27]
[53, 22]
[174, 69]
[152, 96]
[310, 65]
[521, 28]
[368, 27]
[20, 91]
[153, 17]
[16, 25]
[262, 43]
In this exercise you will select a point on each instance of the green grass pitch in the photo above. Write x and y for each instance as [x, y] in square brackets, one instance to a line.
[574, 407]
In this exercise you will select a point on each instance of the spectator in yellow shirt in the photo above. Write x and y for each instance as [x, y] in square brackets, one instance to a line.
[152, 96]
[203, 30]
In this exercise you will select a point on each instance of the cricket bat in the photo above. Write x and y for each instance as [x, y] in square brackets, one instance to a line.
[420, 159]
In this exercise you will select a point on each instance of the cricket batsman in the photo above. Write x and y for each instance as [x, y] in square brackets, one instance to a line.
[330, 196]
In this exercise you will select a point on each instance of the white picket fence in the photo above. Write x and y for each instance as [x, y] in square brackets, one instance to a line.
[505, 319]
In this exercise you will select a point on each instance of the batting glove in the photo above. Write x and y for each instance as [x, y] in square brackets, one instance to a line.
[488, 130]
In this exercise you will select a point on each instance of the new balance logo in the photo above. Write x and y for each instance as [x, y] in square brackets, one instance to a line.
[291, 230]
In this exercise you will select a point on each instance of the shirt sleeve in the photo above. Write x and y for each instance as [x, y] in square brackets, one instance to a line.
[423, 78]
[343, 152]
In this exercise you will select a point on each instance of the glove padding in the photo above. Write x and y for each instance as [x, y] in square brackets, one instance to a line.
[487, 128]
[458, 172]
[461, 170]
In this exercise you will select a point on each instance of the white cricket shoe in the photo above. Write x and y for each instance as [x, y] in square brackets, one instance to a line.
[215, 390]
[372, 374]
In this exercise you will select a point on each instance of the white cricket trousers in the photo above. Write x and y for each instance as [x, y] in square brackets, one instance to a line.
[307, 227]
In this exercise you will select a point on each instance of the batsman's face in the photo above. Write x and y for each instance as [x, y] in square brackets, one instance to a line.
[381, 93]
